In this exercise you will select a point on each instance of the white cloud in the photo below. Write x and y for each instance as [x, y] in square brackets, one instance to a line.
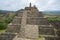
[41, 4]
[32, 1]
[13, 4]
[52, 5]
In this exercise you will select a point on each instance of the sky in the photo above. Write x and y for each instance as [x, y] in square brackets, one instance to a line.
[14, 5]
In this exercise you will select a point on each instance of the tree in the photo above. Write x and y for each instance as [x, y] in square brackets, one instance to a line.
[3, 26]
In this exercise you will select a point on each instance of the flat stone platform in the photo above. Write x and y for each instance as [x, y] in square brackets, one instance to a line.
[20, 38]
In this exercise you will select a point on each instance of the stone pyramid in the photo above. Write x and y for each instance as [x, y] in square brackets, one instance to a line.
[30, 23]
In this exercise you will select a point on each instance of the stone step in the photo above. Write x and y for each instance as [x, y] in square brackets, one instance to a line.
[7, 36]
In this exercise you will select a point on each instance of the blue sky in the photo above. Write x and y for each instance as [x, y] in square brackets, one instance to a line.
[14, 5]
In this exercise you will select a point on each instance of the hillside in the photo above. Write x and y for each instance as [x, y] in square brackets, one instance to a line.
[5, 18]
[56, 12]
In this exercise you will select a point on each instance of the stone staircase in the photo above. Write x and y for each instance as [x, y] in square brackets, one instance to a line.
[7, 36]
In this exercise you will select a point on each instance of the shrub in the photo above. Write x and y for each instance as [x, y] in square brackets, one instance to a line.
[3, 26]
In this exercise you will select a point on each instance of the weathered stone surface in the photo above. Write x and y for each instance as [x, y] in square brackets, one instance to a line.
[7, 36]
[50, 38]
[31, 31]
[37, 21]
[13, 28]
[46, 30]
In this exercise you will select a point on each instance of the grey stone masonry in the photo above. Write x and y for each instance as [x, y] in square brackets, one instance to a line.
[30, 23]
[7, 36]
[27, 30]
[23, 24]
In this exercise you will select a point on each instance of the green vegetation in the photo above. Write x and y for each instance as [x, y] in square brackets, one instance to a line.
[40, 38]
[5, 19]
[53, 18]
[9, 18]
[3, 26]
[1, 31]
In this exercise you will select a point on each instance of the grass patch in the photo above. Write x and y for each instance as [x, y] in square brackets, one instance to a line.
[40, 38]
[1, 31]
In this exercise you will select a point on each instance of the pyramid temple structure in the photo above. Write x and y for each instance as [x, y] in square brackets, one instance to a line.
[31, 23]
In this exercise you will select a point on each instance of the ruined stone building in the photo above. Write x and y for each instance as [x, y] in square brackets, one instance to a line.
[30, 23]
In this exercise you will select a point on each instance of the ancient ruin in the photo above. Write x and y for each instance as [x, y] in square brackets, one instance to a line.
[30, 23]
